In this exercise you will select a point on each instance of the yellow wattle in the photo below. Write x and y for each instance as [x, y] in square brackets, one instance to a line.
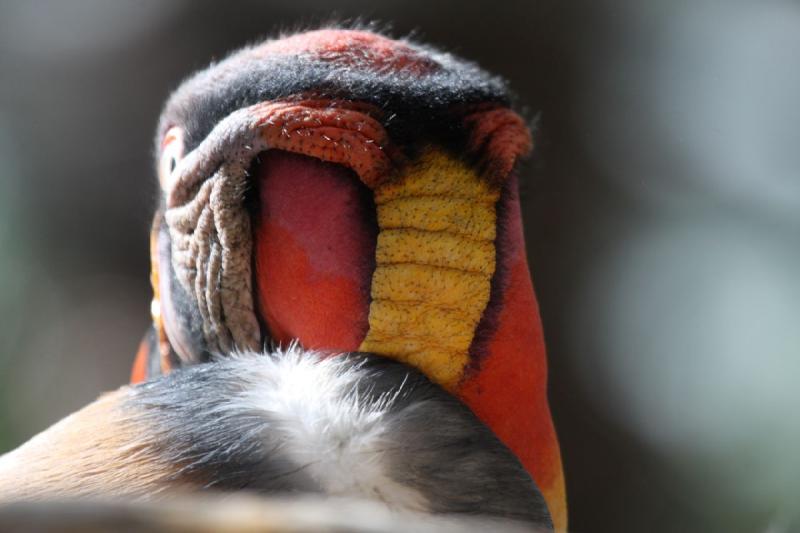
[435, 259]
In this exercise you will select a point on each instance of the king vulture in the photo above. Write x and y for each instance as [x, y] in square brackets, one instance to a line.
[342, 302]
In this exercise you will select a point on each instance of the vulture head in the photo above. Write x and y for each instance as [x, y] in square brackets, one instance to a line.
[334, 192]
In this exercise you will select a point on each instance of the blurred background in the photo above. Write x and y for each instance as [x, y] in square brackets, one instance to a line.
[662, 211]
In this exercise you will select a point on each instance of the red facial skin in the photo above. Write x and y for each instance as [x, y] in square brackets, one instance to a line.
[509, 389]
[310, 249]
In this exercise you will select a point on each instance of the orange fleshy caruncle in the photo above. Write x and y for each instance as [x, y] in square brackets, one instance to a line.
[500, 137]
[330, 131]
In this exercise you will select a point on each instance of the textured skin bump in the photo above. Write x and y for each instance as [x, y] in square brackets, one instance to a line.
[434, 265]
[499, 136]
[330, 131]
[439, 249]
[456, 217]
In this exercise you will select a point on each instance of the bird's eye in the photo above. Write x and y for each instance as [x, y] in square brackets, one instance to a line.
[171, 154]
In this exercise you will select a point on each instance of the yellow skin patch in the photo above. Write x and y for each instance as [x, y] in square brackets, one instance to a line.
[439, 249]
[435, 259]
